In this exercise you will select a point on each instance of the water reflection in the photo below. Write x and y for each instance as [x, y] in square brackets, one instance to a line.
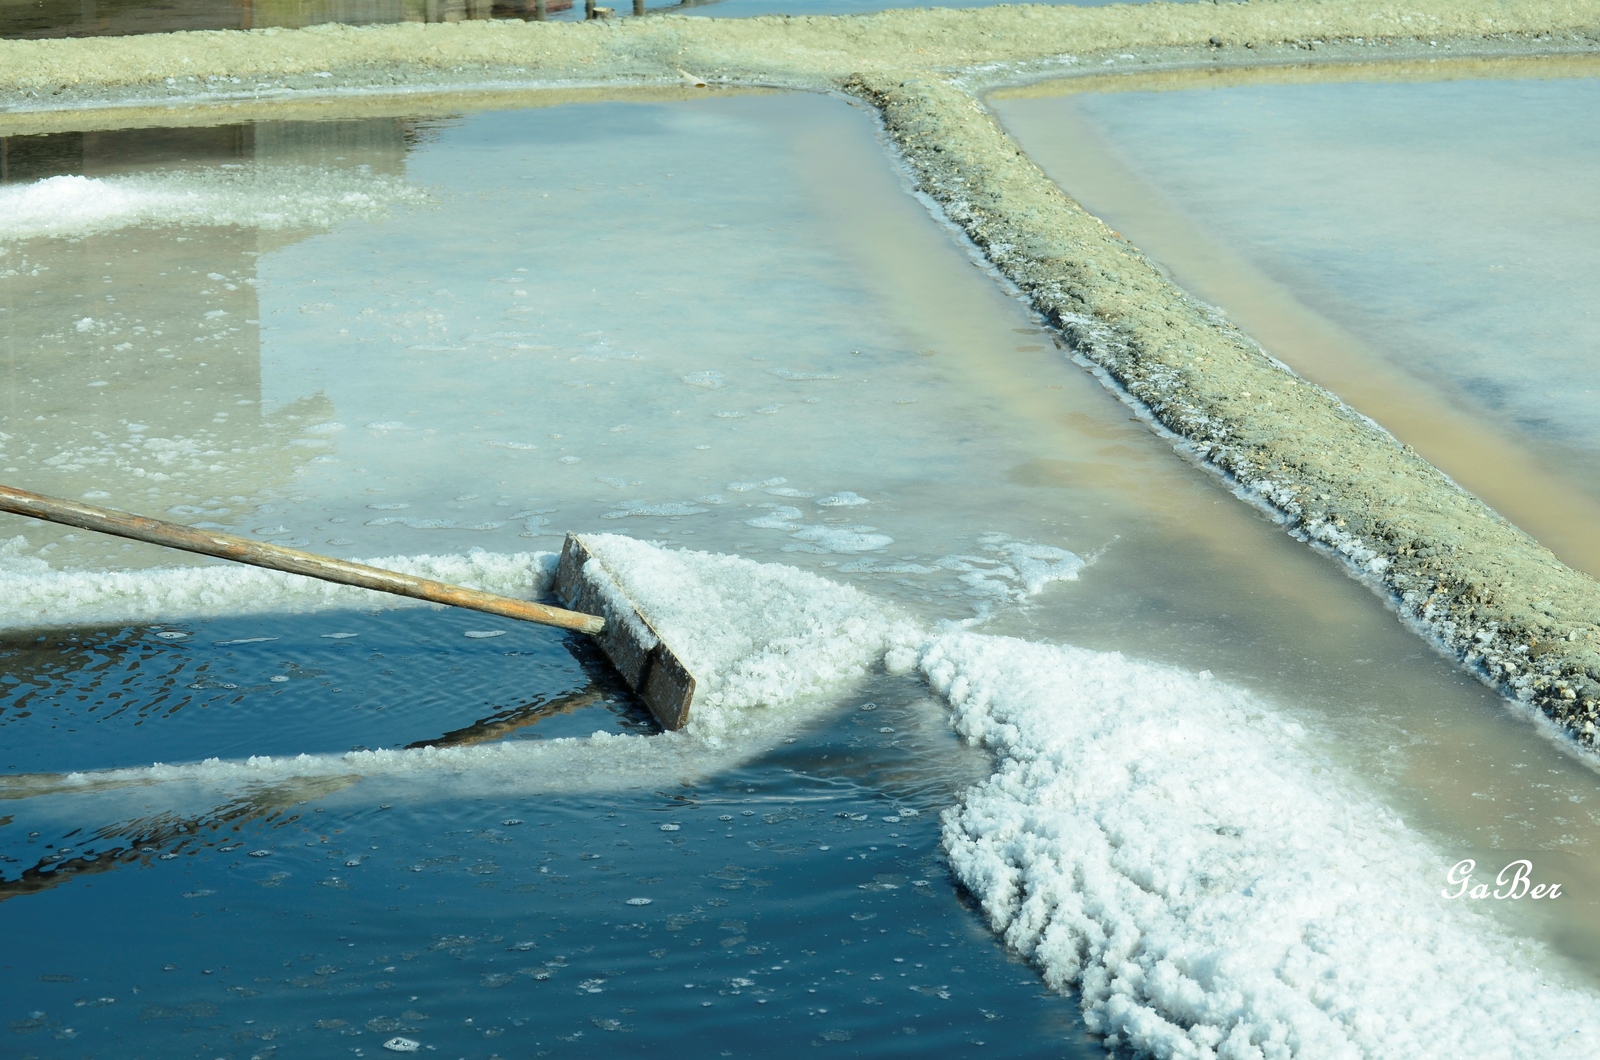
[158, 837]
[132, 356]
[289, 685]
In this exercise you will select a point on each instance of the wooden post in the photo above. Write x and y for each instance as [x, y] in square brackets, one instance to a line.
[638, 8]
[540, 12]
[588, 10]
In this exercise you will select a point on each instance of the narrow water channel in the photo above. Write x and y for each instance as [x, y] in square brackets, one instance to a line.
[720, 325]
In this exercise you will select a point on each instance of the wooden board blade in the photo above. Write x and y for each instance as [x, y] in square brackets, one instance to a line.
[639, 653]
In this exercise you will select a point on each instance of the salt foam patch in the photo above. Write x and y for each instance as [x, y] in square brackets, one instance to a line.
[1179, 854]
[250, 195]
[770, 647]
[33, 595]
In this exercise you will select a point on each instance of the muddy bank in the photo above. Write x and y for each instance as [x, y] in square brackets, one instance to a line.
[1459, 573]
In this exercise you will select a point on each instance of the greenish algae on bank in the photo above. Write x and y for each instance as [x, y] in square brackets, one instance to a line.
[1497, 600]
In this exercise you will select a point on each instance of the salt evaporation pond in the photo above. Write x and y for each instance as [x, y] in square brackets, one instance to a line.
[722, 325]
[1421, 243]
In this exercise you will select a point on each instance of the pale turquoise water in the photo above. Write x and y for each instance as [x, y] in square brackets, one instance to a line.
[1450, 225]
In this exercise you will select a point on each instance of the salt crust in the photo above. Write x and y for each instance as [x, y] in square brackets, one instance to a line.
[1181, 855]
[1168, 846]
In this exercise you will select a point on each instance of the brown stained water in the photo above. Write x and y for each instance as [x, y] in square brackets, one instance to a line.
[720, 324]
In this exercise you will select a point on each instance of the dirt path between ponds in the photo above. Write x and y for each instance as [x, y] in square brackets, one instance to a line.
[810, 51]
[1499, 602]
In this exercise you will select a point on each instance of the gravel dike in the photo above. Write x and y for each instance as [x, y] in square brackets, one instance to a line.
[1496, 600]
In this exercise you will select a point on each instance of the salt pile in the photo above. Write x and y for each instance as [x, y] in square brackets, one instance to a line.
[753, 634]
[1181, 855]
[248, 195]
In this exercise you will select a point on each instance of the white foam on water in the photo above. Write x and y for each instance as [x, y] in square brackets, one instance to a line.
[627, 508]
[1009, 573]
[711, 380]
[845, 539]
[1184, 857]
[781, 517]
[1036, 566]
[254, 196]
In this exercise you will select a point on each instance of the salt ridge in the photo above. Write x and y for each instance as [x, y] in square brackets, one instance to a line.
[33, 595]
[1181, 855]
[254, 196]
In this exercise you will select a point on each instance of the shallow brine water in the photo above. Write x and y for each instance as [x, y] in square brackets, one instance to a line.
[723, 325]
[1421, 243]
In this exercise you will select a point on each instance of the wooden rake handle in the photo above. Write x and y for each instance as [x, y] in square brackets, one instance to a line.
[290, 560]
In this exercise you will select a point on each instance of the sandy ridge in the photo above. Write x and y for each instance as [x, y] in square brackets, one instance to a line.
[801, 49]
[1500, 603]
